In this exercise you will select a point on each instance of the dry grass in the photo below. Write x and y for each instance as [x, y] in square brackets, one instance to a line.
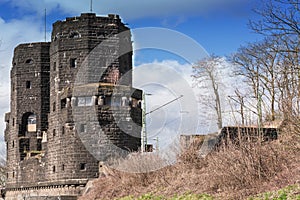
[231, 172]
[245, 167]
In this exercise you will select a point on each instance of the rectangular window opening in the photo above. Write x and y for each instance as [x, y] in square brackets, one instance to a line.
[28, 85]
[63, 130]
[84, 101]
[54, 66]
[54, 106]
[73, 63]
[83, 128]
[82, 166]
[63, 103]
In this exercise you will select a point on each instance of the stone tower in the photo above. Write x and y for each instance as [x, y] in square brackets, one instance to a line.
[70, 108]
[28, 117]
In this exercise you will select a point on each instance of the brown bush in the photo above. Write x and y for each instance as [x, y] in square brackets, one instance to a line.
[234, 171]
[244, 166]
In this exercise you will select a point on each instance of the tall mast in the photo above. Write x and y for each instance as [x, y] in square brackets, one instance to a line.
[45, 21]
[91, 6]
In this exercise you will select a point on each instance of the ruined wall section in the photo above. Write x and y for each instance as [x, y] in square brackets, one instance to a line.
[29, 112]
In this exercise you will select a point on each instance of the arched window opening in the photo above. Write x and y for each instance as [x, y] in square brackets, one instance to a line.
[29, 61]
[29, 123]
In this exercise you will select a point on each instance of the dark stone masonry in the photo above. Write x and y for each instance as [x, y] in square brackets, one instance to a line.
[72, 107]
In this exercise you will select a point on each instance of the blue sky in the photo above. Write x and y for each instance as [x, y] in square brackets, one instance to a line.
[219, 26]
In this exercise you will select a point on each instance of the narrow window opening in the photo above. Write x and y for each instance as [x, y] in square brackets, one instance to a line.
[13, 144]
[83, 128]
[63, 167]
[13, 174]
[54, 132]
[54, 106]
[54, 66]
[53, 169]
[63, 103]
[73, 62]
[28, 85]
[63, 130]
[13, 122]
[82, 166]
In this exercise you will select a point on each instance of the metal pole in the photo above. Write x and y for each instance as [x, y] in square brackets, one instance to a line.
[144, 114]
[45, 25]
[144, 132]
[259, 110]
[91, 8]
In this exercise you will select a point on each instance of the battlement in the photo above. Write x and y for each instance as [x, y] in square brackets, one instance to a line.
[84, 16]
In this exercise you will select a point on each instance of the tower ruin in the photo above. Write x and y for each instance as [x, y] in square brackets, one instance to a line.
[70, 106]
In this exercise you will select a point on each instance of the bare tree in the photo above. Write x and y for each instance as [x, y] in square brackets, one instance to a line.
[280, 19]
[206, 74]
[258, 62]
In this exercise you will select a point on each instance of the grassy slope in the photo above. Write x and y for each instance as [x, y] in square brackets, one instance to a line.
[291, 192]
[231, 173]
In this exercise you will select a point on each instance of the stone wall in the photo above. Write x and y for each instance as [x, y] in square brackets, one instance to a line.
[62, 192]
[49, 131]
[29, 96]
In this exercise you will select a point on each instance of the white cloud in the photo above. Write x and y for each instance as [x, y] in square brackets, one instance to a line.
[169, 79]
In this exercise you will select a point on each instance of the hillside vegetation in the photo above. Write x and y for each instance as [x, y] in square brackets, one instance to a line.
[230, 172]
